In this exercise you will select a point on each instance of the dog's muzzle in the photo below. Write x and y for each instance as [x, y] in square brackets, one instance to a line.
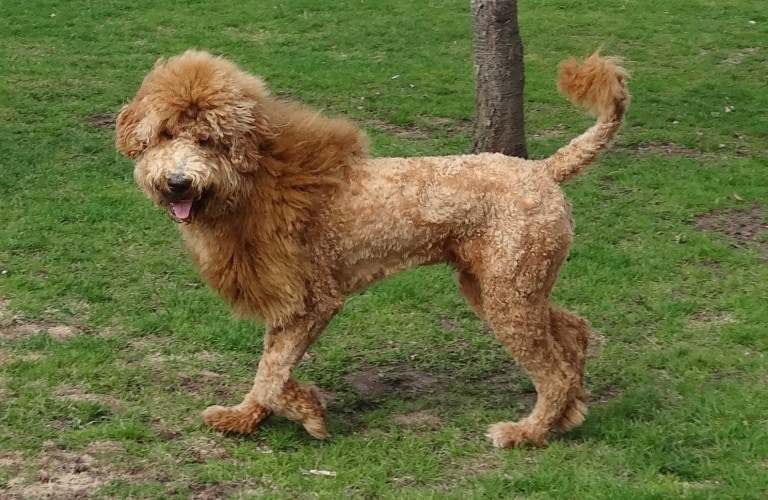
[181, 207]
[179, 184]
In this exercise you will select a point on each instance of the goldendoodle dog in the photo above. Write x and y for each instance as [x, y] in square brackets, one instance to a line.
[284, 215]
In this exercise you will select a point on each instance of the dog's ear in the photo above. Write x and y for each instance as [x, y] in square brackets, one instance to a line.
[248, 147]
[127, 138]
[135, 128]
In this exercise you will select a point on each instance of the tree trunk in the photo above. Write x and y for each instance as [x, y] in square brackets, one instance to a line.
[499, 78]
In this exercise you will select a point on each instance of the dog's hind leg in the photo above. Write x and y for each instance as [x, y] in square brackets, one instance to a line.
[524, 331]
[569, 330]
[273, 389]
[515, 282]
[470, 288]
[572, 333]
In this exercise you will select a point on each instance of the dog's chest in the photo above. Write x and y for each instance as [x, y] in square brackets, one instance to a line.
[248, 273]
[215, 260]
[201, 249]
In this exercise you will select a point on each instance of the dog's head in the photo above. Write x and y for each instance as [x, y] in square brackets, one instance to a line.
[194, 129]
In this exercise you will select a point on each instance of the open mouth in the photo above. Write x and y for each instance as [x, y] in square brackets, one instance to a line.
[181, 210]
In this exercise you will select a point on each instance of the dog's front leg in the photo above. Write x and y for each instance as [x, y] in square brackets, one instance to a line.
[242, 419]
[273, 389]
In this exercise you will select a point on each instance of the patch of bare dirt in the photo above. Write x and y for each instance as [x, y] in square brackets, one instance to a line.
[398, 380]
[201, 449]
[419, 421]
[437, 121]
[110, 332]
[405, 481]
[201, 384]
[15, 326]
[145, 344]
[181, 372]
[61, 474]
[103, 120]
[549, 133]
[288, 96]
[248, 489]
[13, 460]
[77, 393]
[605, 394]
[478, 466]
[449, 325]
[732, 374]
[738, 57]
[429, 126]
[6, 359]
[154, 359]
[368, 382]
[614, 189]
[711, 264]
[741, 225]
[249, 35]
[596, 342]
[59, 332]
[105, 447]
[163, 430]
[207, 491]
[663, 148]
[19, 328]
[704, 319]
[405, 131]
[451, 126]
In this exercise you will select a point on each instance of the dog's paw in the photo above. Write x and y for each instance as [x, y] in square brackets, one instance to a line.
[515, 434]
[234, 419]
[311, 407]
[574, 415]
[316, 427]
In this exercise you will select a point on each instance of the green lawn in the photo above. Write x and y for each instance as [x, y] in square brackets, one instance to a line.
[111, 346]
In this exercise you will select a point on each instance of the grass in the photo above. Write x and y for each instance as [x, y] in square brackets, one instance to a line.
[110, 345]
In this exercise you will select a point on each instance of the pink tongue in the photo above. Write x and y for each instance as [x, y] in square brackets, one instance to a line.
[182, 209]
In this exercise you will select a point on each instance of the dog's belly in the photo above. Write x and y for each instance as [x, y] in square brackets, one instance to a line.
[361, 265]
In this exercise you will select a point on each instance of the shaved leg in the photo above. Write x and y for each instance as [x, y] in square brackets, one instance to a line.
[470, 288]
[524, 331]
[274, 391]
[572, 333]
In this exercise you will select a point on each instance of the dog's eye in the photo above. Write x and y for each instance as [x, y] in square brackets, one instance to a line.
[206, 143]
[167, 135]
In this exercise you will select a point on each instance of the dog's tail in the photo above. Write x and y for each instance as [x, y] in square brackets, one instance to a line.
[599, 85]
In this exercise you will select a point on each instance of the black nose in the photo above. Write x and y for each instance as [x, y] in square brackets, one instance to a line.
[178, 183]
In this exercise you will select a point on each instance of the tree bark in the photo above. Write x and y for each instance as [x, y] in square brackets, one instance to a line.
[499, 78]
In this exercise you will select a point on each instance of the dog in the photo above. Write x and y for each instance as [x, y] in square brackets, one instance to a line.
[285, 214]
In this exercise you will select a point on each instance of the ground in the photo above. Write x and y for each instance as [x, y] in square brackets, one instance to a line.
[110, 345]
